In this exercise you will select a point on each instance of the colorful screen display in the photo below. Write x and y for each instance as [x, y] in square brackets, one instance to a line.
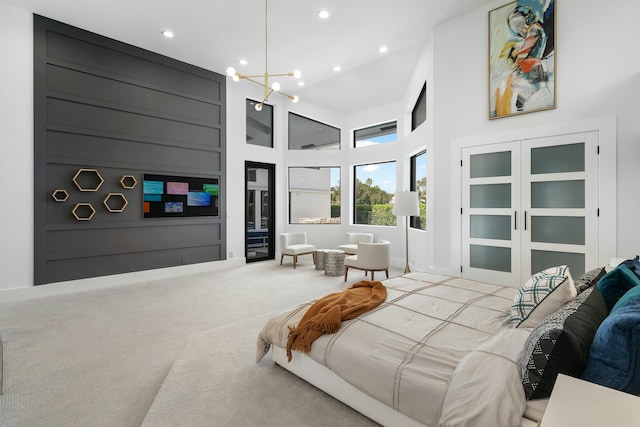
[180, 196]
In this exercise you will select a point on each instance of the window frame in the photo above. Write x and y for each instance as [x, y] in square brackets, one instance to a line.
[370, 127]
[328, 220]
[355, 184]
[265, 109]
[415, 220]
[289, 133]
[421, 101]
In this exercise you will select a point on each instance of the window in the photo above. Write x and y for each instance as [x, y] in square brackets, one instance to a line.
[378, 134]
[308, 134]
[259, 124]
[251, 209]
[419, 112]
[419, 184]
[314, 195]
[375, 185]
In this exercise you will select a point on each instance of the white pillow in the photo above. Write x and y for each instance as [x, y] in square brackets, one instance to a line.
[541, 295]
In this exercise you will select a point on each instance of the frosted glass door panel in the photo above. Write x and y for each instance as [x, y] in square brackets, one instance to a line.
[490, 196]
[490, 164]
[490, 258]
[557, 159]
[541, 260]
[558, 229]
[557, 194]
[491, 227]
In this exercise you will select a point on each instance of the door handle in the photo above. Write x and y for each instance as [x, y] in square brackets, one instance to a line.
[515, 220]
[525, 220]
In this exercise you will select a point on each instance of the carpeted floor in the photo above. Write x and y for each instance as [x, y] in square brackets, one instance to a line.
[100, 357]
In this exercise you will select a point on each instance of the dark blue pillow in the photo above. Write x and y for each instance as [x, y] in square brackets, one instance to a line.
[616, 283]
[633, 265]
[632, 293]
[614, 356]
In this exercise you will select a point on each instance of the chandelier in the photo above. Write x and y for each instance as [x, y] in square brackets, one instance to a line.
[275, 86]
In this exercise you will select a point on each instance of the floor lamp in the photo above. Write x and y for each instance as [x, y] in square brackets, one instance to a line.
[405, 204]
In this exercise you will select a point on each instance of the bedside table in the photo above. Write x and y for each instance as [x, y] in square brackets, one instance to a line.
[575, 402]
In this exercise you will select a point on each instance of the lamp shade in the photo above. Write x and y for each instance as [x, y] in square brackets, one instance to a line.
[406, 203]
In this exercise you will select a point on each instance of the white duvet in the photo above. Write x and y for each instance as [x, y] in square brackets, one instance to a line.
[438, 350]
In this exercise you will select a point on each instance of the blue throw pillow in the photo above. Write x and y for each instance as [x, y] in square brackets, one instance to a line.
[631, 294]
[616, 283]
[633, 265]
[614, 356]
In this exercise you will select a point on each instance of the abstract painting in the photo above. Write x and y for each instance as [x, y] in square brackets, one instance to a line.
[522, 74]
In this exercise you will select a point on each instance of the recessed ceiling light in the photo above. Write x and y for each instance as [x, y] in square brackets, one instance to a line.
[337, 68]
[243, 62]
[383, 49]
[300, 83]
[168, 34]
[323, 14]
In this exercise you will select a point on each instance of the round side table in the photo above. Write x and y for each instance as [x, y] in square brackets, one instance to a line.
[334, 262]
[320, 256]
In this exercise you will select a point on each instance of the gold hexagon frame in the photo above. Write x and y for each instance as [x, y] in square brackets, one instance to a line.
[85, 206]
[86, 172]
[123, 202]
[60, 195]
[128, 181]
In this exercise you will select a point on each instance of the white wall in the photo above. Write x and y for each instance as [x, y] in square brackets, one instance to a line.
[598, 74]
[16, 147]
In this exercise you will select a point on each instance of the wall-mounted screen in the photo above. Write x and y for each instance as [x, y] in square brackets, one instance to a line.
[180, 196]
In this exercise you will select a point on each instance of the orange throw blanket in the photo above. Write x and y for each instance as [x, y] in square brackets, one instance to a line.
[325, 316]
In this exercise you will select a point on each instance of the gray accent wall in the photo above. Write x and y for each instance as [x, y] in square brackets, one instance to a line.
[105, 106]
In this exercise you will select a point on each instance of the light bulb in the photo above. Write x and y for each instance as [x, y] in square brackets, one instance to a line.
[297, 74]
[231, 71]
[235, 78]
[259, 106]
[275, 86]
[295, 98]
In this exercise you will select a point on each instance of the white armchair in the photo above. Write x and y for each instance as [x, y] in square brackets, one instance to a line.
[295, 244]
[351, 247]
[371, 257]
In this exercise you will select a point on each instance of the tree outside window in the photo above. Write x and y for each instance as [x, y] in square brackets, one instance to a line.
[375, 186]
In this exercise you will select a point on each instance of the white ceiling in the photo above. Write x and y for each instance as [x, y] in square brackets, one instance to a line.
[215, 34]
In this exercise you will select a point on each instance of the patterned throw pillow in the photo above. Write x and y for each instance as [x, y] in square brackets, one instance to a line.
[542, 294]
[589, 279]
[561, 343]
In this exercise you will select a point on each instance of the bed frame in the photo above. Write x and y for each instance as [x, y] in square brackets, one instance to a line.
[329, 382]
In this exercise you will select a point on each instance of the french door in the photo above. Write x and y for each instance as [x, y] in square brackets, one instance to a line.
[529, 205]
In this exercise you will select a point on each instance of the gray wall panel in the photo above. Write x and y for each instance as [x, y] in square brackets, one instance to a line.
[89, 51]
[90, 241]
[105, 105]
[92, 120]
[72, 269]
[151, 156]
[133, 97]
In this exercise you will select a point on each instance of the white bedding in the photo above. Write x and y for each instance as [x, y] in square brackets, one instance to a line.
[438, 351]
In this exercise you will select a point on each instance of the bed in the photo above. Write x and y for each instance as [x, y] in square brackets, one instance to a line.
[440, 351]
